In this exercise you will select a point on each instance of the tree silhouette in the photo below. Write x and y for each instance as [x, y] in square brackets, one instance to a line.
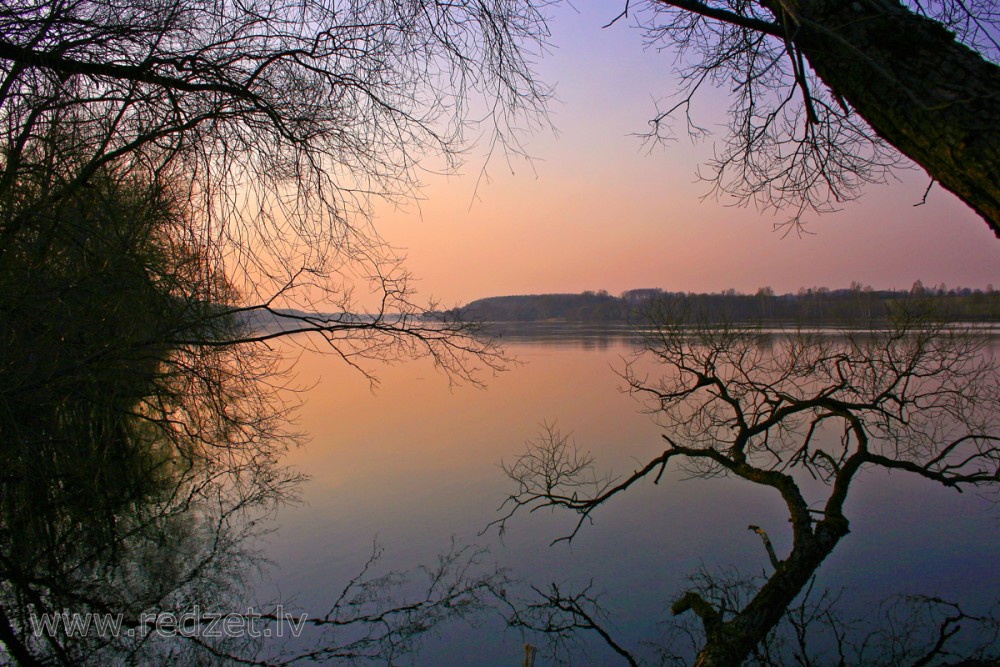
[824, 94]
[275, 124]
[777, 410]
[181, 183]
[142, 425]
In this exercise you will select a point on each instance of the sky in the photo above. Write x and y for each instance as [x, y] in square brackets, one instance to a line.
[595, 208]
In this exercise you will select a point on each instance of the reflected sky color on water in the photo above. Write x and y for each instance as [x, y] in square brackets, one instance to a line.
[415, 463]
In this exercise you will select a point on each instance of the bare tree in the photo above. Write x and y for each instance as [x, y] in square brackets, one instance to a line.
[274, 124]
[777, 409]
[824, 94]
[181, 183]
[142, 425]
[156, 564]
[174, 178]
[902, 630]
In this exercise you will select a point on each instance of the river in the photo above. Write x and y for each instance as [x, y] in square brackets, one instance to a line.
[415, 463]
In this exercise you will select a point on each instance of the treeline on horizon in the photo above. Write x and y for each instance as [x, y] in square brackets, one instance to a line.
[854, 306]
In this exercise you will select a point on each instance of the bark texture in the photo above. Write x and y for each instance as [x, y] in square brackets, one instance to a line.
[934, 99]
[727, 644]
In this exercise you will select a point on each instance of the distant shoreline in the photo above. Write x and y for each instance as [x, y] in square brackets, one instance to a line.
[855, 308]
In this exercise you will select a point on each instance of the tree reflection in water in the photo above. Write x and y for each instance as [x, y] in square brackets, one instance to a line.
[802, 415]
[136, 468]
[131, 467]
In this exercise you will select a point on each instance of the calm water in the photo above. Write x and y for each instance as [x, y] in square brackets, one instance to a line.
[416, 463]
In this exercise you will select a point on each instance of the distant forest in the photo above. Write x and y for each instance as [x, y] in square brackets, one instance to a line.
[854, 306]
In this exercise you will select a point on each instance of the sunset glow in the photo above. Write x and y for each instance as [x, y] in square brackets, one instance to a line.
[596, 208]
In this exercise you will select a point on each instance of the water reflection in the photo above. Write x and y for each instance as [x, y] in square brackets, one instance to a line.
[417, 462]
[137, 517]
[565, 334]
[131, 464]
[782, 413]
[121, 513]
[141, 443]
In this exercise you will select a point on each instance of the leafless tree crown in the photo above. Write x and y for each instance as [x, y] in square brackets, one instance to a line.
[793, 143]
[275, 124]
[782, 411]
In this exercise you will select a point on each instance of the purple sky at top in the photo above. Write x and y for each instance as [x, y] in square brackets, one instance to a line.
[595, 208]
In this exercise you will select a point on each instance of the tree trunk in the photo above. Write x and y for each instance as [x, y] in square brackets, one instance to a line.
[728, 644]
[934, 99]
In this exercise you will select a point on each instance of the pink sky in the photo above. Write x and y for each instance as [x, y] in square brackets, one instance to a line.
[596, 209]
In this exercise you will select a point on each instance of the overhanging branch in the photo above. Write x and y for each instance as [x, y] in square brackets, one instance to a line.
[726, 16]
